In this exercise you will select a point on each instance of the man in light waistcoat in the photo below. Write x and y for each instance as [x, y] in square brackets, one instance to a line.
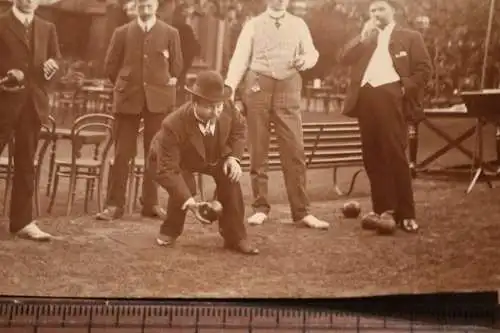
[144, 60]
[271, 50]
[390, 66]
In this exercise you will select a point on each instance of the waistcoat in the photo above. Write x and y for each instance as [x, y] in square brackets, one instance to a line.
[274, 49]
[211, 146]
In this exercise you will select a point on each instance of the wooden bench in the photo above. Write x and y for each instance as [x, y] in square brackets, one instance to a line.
[327, 145]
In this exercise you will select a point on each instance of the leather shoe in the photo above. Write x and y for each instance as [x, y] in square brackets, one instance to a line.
[242, 247]
[155, 212]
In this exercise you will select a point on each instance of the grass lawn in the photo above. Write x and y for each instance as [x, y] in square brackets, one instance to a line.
[457, 249]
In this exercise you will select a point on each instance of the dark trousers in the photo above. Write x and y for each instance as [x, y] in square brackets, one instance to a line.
[231, 225]
[384, 135]
[126, 128]
[24, 124]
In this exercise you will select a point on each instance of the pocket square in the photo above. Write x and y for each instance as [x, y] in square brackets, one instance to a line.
[401, 54]
[166, 54]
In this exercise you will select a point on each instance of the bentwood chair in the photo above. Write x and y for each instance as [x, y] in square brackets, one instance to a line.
[90, 169]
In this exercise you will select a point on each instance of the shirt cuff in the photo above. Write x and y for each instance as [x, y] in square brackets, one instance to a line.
[188, 202]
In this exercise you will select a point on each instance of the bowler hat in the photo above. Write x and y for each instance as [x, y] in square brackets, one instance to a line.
[209, 85]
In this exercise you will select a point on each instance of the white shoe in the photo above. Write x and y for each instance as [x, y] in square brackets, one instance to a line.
[257, 218]
[163, 240]
[33, 232]
[312, 222]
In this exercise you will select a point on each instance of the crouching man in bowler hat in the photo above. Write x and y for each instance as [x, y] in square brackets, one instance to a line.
[202, 136]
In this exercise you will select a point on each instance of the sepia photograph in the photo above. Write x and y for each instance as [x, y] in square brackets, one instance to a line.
[249, 148]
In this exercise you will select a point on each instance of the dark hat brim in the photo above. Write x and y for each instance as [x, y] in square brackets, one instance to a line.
[226, 94]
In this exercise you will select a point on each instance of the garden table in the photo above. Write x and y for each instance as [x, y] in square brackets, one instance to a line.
[452, 142]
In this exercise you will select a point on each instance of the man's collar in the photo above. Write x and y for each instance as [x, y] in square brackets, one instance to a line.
[149, 23]
[205, 126]
[276, 14]
[22, 17]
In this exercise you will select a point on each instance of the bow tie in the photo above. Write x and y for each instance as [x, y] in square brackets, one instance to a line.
[277, 20]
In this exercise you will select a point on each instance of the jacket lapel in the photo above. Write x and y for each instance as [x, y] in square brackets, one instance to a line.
[134, 32]
[38, 35]
[17, 28]
[195, 136]
[395, 42]
[224, 124]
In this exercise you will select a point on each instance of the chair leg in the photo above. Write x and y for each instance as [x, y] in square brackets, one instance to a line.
[92, 183]
[54, 190]
[7, 191]
[36, 195]
[71, 191]
[136, 189]
[6, 196]
[130, 191]
[87, 195]
[99, 190]
[201, 187]
[52, 161]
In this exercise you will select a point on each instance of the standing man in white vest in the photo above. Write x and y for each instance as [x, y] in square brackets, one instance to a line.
[271, 50]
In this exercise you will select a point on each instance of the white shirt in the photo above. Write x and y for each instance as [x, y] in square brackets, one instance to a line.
[380, 69]
[146, 25]
[209, 126]
[242, 56]
[22, 17]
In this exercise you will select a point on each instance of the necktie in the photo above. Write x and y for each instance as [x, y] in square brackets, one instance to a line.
[277, 20]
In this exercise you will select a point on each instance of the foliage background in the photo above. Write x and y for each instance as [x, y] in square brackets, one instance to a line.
[454, 37]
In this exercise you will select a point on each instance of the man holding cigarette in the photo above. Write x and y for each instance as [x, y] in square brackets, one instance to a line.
[390, 66]
[29, 51]
[271, 50]
[144, 60]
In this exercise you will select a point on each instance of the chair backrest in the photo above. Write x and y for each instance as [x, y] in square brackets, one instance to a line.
[47, 136]
[95, 129]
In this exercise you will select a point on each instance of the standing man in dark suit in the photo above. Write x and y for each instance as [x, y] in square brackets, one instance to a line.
[144, 60]
[29, 49]
[390, 67]
[202, 136]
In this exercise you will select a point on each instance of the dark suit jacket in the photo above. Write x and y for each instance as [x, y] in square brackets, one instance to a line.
[178, 147]
[15, 53]
[411, 61]
[140, 69]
